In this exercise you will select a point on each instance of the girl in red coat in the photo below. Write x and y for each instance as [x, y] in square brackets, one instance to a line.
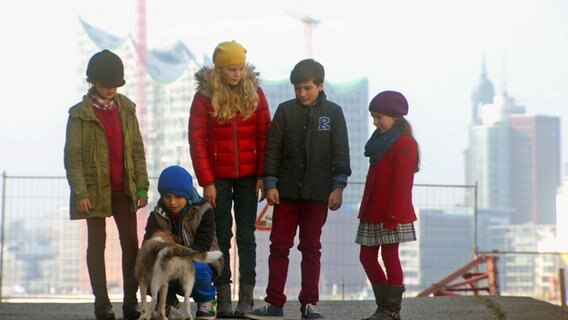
[228, 125]
[386, 214]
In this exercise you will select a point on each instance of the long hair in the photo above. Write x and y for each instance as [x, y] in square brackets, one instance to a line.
[229, 101]
[407, 129]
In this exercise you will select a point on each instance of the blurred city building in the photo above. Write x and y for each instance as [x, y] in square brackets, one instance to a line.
[514, 157]
[169, 86]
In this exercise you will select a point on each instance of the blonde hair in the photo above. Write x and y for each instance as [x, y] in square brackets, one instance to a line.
[228, 101]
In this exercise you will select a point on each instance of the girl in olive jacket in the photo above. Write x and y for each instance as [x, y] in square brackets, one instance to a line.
[106, 170]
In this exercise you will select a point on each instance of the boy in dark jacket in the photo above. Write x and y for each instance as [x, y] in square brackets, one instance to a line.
[183, 212]
[305, 171]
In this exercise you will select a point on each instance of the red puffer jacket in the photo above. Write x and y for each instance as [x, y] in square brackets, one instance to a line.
[228, 150]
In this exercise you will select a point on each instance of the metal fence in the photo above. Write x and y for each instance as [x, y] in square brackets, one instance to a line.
[43, 252]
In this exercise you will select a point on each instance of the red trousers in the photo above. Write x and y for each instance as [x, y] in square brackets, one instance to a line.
[288, 216]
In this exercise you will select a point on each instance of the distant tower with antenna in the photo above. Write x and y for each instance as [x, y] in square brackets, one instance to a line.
[482, 94]
[310, 24]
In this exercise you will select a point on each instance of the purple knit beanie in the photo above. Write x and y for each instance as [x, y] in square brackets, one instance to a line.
[390, 103]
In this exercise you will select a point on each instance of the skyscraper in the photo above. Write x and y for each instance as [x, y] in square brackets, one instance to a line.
[535, 161]
[489, 153]
[514, 157]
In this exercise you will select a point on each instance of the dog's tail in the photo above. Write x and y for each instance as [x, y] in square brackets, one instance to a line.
[205, 257]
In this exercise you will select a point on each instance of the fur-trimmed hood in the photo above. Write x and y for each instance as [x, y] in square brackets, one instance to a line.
[203, 78]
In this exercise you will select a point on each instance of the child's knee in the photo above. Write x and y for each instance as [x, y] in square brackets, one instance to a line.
[203, 272]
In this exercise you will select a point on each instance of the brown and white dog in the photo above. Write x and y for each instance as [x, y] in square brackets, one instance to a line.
[162, 259]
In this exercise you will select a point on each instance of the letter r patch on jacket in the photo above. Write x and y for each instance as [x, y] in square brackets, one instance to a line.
[324, 124]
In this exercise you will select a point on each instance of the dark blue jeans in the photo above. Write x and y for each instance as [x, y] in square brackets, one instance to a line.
[240, 195]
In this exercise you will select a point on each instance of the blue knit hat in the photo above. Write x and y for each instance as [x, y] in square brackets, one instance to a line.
[176, 180]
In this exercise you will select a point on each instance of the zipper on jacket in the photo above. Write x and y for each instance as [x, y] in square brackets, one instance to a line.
[236, 146]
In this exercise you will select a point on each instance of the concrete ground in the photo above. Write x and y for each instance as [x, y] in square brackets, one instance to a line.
[429, 308]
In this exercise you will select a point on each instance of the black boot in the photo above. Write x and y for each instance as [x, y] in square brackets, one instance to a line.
[131, 311]
[104, 312]
[380, 291]
[393, 300]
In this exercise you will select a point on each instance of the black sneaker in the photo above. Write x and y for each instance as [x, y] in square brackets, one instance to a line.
[205, 315]
[310, 312]
[266, 311]
[205, 311]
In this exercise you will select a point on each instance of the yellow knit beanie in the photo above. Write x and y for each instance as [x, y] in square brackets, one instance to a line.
[229, 53]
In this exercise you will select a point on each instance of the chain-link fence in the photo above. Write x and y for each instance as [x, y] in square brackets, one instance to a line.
[43, 252]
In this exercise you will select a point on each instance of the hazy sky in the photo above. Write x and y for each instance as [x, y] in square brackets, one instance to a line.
[431, 51]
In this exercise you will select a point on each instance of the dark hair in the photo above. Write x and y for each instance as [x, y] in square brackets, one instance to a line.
[407, 129]
[307, 70]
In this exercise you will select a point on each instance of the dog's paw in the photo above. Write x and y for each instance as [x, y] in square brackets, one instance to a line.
[157, 316]
[145, 316]
[175, 314]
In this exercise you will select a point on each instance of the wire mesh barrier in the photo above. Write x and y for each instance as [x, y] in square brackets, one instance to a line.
[44, 253]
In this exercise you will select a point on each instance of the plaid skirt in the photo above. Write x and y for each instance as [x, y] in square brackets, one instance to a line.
[373, 234]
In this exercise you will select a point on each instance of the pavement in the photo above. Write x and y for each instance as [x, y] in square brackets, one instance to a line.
[426, 308]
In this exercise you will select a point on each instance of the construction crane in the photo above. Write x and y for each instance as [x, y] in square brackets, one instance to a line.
[309, 25]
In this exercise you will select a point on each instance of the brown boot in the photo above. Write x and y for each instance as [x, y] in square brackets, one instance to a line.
[380, 291]
[224, 304]
[246, 301]
[97, 276]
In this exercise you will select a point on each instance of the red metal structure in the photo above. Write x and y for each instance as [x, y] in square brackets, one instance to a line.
[465, 280]
[141, 49]
[264, 219]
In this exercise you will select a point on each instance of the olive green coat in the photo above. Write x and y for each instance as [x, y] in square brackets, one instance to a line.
[86, 158]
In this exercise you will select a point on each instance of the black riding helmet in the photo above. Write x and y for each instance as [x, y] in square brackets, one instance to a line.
[107, 69]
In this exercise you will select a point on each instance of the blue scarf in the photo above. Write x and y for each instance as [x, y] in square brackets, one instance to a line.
[380, 143]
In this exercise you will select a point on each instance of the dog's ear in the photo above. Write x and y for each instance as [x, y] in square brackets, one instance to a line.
[176, 238]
